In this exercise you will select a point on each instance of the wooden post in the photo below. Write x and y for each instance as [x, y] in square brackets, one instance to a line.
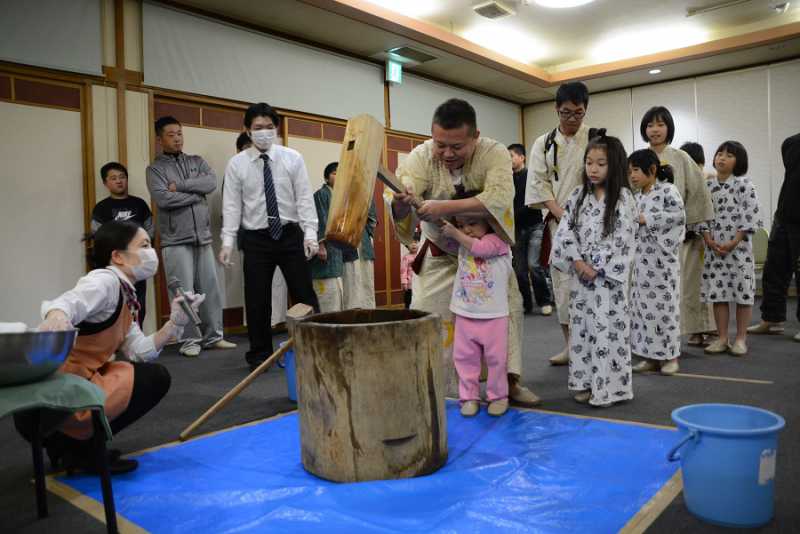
[371, 394]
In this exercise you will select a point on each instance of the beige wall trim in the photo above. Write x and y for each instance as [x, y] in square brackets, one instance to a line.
[431, 35]
[730, 44]
[119, 48]
[90, 506]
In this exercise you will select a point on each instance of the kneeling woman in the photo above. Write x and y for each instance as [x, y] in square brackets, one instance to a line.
[103, 307]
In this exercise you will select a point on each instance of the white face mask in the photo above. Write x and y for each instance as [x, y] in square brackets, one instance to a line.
[263, 138]
[147, 266]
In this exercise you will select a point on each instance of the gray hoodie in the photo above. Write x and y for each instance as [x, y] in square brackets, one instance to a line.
[182, 215]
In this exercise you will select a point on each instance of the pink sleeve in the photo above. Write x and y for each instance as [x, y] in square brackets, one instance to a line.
[489, 246]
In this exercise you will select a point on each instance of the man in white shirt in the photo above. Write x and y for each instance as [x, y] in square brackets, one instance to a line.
[556, 169]
[267, 193]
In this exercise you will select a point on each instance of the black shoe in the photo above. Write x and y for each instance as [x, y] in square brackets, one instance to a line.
[117, 465]
[528, 311]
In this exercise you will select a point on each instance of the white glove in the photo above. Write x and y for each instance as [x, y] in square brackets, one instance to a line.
[177, 315]
[56, 320]
[225, 256]
[311, 248]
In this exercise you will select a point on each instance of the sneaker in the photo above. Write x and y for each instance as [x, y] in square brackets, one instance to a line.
[739, 348]
[562, 358]
[222, 345]
[670, 368]
[718, 347]
[797, 337]
[583, 397]
[522, 396]
[645, 366]
[498, 407]
[766, 328]
[547, 310]
[470, 408]
[190, 351]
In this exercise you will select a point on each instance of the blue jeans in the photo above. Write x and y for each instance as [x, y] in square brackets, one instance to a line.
[526, 266]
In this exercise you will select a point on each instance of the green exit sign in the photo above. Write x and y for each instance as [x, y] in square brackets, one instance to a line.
[394, 72]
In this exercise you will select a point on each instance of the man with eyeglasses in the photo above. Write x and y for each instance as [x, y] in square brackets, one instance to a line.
[556, 167]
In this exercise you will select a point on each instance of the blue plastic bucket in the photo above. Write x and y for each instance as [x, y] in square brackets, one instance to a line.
[291, 375]
[727, 454]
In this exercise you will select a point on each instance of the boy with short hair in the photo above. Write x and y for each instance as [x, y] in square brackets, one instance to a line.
[120, 206]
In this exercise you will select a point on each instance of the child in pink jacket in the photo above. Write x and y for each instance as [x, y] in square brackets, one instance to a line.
[480, 305]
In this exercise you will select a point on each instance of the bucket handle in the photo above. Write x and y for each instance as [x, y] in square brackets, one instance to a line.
[673, 455]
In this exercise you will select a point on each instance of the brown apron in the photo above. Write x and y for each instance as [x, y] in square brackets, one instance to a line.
[95, 345]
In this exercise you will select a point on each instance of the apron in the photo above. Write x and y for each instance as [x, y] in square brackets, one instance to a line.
[95, 345]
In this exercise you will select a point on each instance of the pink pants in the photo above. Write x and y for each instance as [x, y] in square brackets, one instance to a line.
[475, 338]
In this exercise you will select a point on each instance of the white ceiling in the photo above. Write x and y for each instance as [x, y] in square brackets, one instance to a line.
[568, 37]
[568, 33]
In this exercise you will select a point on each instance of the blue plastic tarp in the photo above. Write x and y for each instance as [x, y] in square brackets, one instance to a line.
[523, 472]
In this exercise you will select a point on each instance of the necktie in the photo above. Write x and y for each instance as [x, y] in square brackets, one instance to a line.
[275, 226]
[130, 298]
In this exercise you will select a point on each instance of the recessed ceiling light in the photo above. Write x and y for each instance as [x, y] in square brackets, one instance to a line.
[655, 71]
[560, 4]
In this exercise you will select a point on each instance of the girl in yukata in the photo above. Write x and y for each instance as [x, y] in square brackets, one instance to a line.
[595, 242]
[480, 306]
[658, 130]
[729, 270]
[656, 284]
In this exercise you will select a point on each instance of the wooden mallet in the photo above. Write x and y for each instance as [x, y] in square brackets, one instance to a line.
[295, 313]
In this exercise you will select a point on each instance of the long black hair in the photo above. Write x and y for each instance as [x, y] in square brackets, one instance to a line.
[645, 159]
[616, 180]
[113, 235]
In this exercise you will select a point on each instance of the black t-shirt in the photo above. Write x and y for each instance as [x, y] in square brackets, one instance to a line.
[123, 209]
[524, 217]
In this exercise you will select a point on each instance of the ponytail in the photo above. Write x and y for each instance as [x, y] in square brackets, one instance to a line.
[664, 174]
[646, 159]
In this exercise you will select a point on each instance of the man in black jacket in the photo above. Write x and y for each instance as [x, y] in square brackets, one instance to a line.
[783, 252]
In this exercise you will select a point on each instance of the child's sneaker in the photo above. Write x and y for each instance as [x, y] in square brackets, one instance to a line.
[498, 407]
[470, 408]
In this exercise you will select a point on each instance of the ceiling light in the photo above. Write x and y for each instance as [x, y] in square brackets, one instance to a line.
[508, 41]
[647, 41]
[655, 71]
[410, 8]
[560, 4]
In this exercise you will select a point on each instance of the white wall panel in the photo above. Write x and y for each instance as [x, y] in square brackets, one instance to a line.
[538, 120]
[784, 118]
[736, 106]
[612, 111]
[189, 53]
[41, 199]
[678, 98]
[52, 33]
[317, 154]
[413, 102]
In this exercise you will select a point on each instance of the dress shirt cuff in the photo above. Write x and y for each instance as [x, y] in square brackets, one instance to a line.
[227, 241]
[310, 234]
